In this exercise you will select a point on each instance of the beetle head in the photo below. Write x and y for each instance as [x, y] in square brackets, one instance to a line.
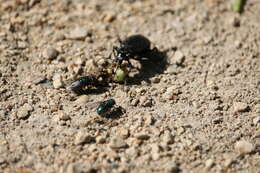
[121, 54]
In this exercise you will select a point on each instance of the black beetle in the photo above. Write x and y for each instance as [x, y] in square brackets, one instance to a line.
[82, 82]
[97, 80]
[134, 46]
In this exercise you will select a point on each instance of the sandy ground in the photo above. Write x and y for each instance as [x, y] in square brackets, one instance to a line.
[195, 109]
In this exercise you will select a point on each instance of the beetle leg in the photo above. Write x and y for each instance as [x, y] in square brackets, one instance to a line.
[119, 39]
[130, 64]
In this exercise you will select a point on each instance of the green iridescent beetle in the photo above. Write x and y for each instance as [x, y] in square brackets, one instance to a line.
[105, 106]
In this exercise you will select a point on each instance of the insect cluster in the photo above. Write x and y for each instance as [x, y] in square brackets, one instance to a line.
[135, 47]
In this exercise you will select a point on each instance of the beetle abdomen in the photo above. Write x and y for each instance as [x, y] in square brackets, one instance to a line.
[136, 44]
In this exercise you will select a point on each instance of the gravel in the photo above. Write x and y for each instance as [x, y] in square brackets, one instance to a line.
[117, 143]
[191, 106]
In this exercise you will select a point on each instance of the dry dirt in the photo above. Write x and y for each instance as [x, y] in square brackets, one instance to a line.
[199, 112]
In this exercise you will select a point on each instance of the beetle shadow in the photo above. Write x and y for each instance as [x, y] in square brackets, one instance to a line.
[155, 63]
[88, 91]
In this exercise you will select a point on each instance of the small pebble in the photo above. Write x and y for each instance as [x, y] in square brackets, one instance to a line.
[24, 111]
[168, 138]
[134, 102]
[22, 45]
[100, 139]
[155, 80]
[63, 116]
[59, 36]
[170, 93]
[149, 120]
[142, 136]
[256, 120]
[240, 107]
[57, 81]
[117, 143]
[83, 99]
[178, 58]
[83, 138]
[209, 163]
[244, 147]
[109, 17]
[172, 167]
[124, 133]
[172, 69]
[78, 34]
[50, 53]
[145, 101]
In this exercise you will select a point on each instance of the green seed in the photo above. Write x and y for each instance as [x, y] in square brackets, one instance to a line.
[120, 75]
[238, 5]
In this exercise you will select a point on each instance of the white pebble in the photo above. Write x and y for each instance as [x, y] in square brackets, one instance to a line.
[178, 58]
[24, 111]
[83, 99]
[78, 34]
[244, 147]
[239, 107]
[117, 143]
[256, 120]
[50, 53]
[82, 138]
[57, 81]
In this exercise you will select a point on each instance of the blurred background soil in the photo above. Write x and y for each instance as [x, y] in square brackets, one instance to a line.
[196, 109]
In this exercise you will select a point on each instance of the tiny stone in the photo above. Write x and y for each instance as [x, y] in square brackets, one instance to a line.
[102, 62]
[82, 138]
[168, 138]
[211, 84]
[24, 111]
[180, 130]
[228, 162]
[100, 139]
[134, 102]
[78, 61]
[78, 34]
[240, 107]
[149, 120]
[244, 147]
[209, 163]
[117, 143]
[59, 36]
[178, 58]
[238, 44]
[144, 101]
[156, 156]
[170, 92]
[57, 81]
[207, 39]
[124, 133]
[63, 116]
[109, 17]
[172, 69]
[172, 167]
[22, 44]
[155, 80]
[256, 120]
[83, 99]
[71, 168]
[142, 136]
[50, 53]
